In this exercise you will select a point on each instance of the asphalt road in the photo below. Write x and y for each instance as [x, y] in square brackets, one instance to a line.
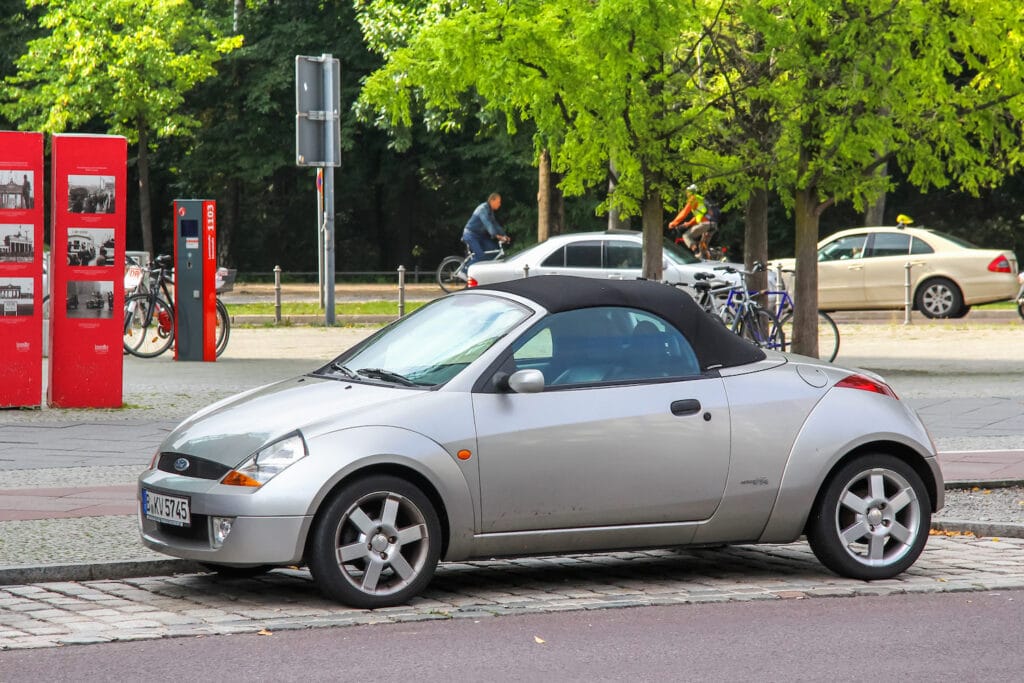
[959, 636]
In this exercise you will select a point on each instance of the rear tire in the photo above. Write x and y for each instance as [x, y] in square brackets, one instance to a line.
[828, 335]
[447, 279]
[871, 518]
[223, 327]
[939, 298]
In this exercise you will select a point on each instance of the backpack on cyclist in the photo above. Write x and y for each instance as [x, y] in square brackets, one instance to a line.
[713, 211]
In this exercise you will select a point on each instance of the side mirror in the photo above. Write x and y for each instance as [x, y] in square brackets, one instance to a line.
[526, 382]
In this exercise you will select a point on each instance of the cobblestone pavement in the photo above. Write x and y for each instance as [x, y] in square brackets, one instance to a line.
[55, 614]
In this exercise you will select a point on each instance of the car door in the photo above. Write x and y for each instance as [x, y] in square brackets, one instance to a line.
[841, 272]
[885, 268]
[623, 433]
[623, 259]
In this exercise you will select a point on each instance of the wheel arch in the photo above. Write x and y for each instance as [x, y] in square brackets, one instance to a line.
[898, 450]
[399, 471]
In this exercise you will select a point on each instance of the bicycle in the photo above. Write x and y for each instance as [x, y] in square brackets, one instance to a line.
[736, 306]
[452, 273]
[149, 311]
[828, 331]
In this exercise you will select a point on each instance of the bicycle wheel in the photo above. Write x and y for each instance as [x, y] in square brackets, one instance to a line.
[148, 326]
[761, 327]
[447, 277]
[223, 327]
[828, 335]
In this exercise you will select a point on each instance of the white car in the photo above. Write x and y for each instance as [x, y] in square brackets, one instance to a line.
[613, 255]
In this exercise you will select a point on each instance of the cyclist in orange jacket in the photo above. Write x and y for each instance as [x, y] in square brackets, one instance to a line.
[697, 226]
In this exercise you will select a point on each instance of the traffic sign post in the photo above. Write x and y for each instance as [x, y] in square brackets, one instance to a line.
[318, 143]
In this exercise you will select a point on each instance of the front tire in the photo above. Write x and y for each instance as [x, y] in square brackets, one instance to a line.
[376, 543]
[871, 518]
[447, 278]
[939, 298]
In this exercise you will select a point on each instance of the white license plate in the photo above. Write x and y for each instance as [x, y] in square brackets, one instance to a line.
[166, 509]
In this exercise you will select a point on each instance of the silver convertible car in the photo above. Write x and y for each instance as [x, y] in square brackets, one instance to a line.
[543, 415]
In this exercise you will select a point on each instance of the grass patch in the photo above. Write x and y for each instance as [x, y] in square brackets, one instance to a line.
[999, 306]
[313, 308]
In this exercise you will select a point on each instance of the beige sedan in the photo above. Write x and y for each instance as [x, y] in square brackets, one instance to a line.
[866, 269]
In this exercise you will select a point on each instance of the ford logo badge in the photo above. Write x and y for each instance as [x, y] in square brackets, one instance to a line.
[181, 464]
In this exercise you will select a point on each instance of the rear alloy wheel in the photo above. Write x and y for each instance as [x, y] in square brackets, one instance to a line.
[376, 543]
[871, 519]
[939, 298]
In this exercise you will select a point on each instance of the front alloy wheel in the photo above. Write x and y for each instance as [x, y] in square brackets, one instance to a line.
[872, 518]
[376, 544]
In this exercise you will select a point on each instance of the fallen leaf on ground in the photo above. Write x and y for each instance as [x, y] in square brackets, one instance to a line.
[538, 640]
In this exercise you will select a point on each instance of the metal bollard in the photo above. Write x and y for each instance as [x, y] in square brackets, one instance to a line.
[906, 293]
[526, 270]
[401, 291]
[277, 295]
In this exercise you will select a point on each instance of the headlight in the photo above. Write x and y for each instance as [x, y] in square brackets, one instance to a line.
[268, 462]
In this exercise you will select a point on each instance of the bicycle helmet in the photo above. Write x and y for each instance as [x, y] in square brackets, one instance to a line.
[691, 188]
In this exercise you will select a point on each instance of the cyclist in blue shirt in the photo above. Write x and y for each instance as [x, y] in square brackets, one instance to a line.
[483, 232]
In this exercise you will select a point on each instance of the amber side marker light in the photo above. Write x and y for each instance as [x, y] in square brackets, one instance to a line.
[865, 383]
[234, 478]
[464, 454]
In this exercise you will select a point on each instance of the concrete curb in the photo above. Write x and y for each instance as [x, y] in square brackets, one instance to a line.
[986, 529]
[97, 571]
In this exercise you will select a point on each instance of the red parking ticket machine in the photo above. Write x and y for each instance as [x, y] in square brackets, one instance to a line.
[21, 269]
[195, 287]
[87, 240]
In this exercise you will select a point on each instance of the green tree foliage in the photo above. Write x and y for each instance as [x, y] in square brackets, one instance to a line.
[933, 86]
[600, 82]
[128, 64]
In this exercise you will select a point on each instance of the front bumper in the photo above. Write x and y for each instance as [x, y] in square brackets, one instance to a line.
[253, 540]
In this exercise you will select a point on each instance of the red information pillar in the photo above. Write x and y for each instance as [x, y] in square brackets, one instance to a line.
[21, 269]
[87, 239]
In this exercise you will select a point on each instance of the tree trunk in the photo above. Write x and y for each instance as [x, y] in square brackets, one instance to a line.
[805, 290]
[875, 213]
[755, 236]
[557, 219]
[145, 209]
[653, 218]
[614, 220]
[544, 196]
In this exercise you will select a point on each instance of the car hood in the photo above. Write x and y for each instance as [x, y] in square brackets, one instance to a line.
[231, 431]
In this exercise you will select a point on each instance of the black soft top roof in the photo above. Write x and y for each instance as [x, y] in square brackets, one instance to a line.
[713, 343]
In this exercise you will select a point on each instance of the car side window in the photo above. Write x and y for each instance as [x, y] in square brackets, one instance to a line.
[890, 244]
[851, 246]
[919, 246]
[583, 255]
[623, 254]
[556, 259]
[607, 344]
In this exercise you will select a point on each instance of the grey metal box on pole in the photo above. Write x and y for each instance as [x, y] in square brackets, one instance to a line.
[318, 143]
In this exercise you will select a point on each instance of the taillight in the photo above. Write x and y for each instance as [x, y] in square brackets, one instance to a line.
[865, 383]
[1000, 264]
[472, 283]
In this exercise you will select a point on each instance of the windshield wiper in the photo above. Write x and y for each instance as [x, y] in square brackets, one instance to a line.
[338, 367]
[386, 375]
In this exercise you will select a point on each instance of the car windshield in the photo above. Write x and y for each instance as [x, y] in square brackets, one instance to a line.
[432, 345]
[678, 255]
